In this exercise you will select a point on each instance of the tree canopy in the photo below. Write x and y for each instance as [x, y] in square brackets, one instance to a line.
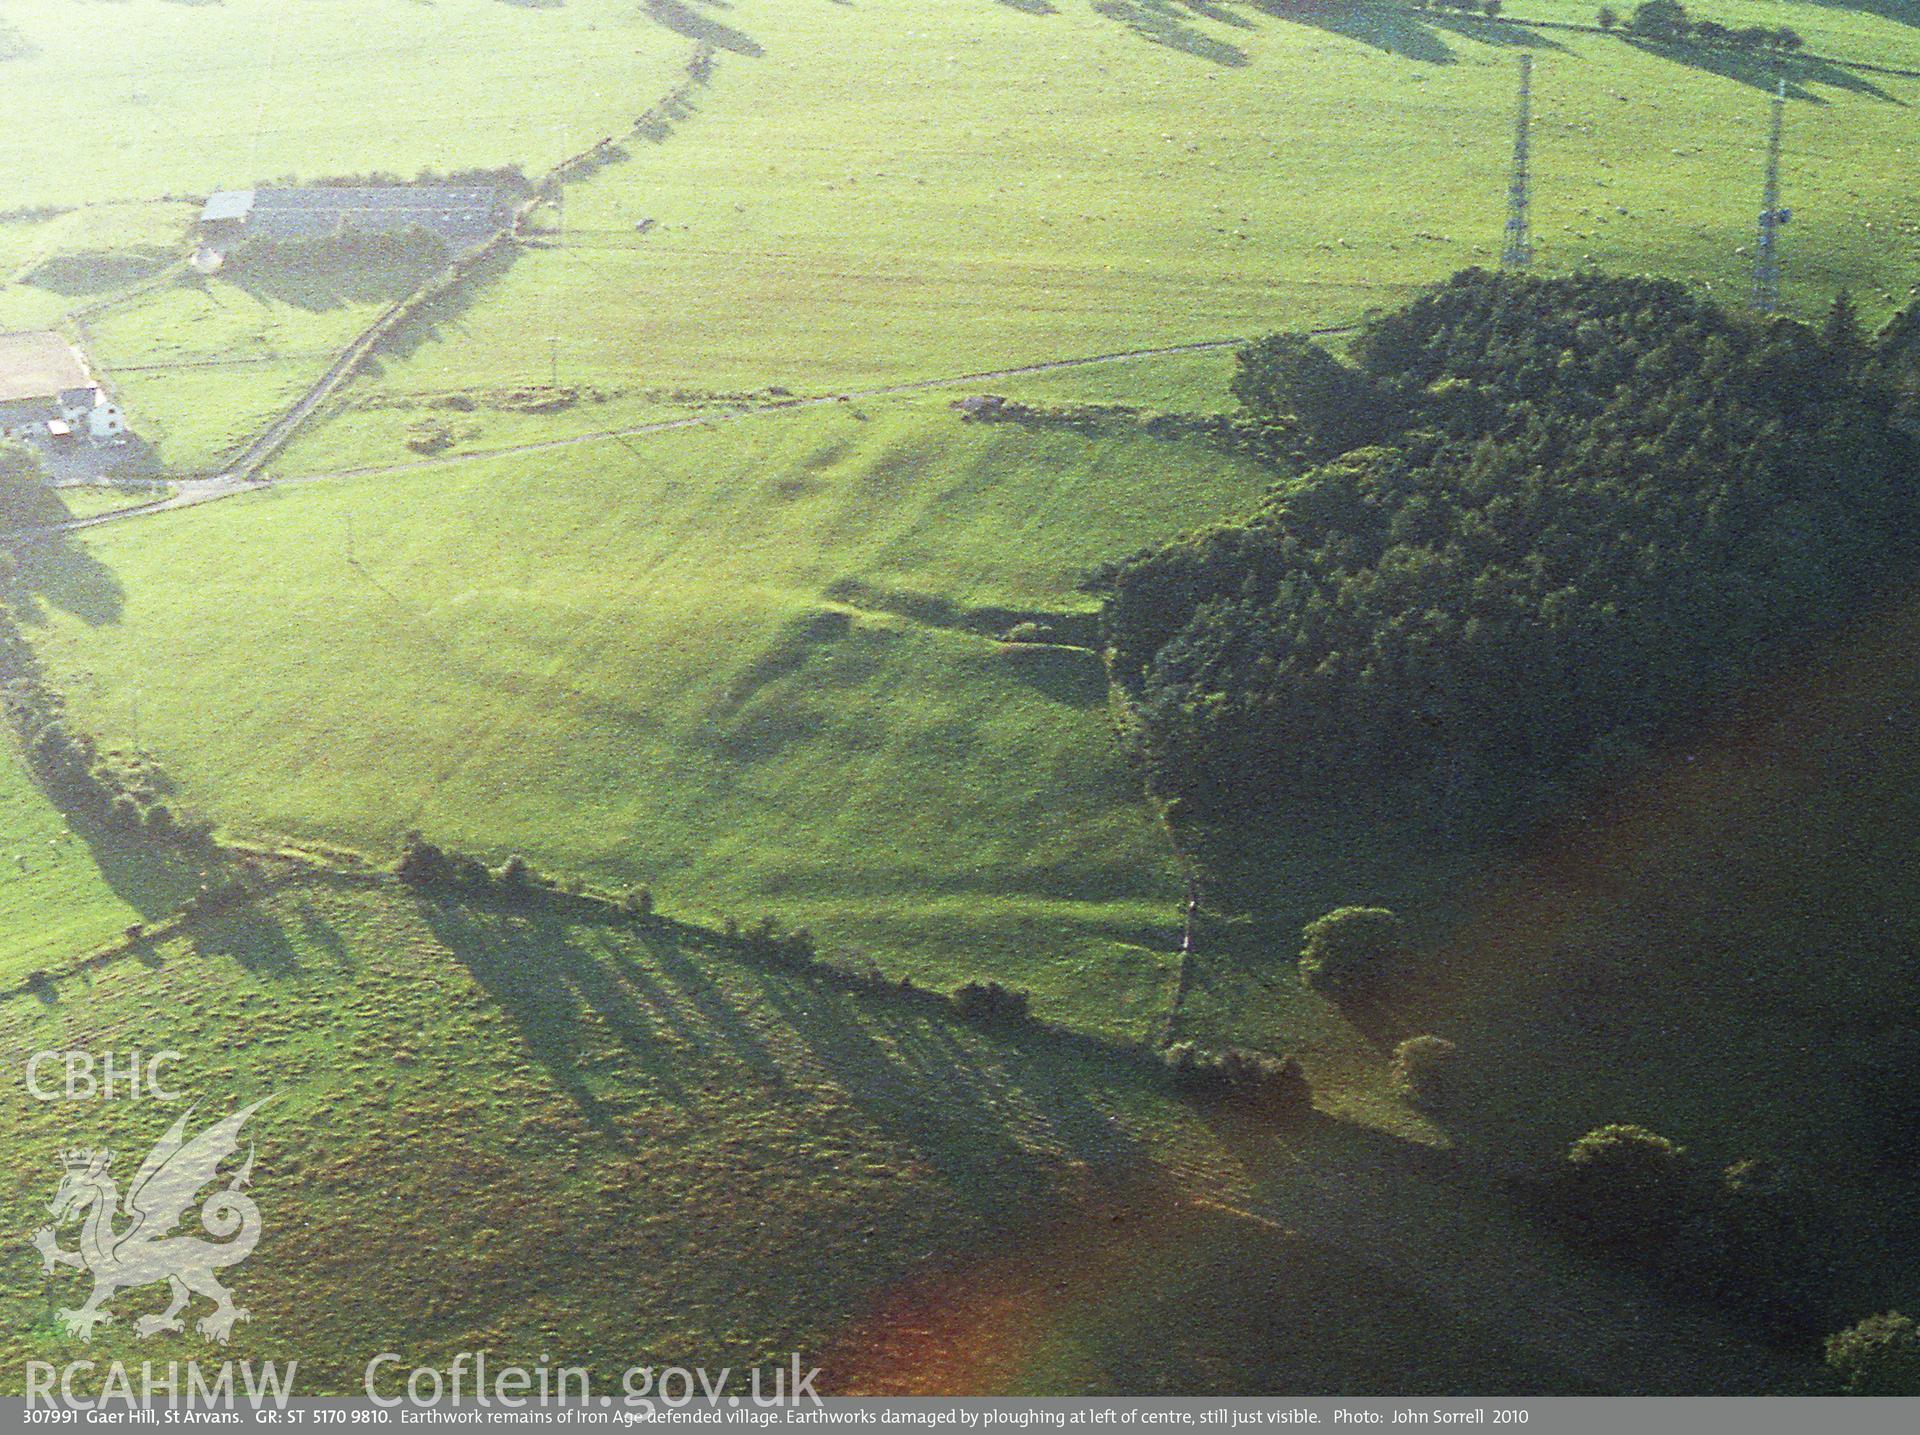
[1587, 507]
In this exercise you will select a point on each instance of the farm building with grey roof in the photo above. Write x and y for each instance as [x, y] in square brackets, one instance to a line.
[463, 216]
[45, 386]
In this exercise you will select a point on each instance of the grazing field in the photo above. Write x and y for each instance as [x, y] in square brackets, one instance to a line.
[556, 1137]
[756, 667]
[761, 665]
[193, 98]
[62, 893]
[53, 264]
[53, 899]
[1011, 184]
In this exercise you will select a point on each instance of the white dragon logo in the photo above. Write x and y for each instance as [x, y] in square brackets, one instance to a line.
[174, 1173]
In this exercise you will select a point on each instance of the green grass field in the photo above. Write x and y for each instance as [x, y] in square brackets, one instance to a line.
[556, 1136]
[188, 99]
[1023, 186]
[755, 667]
[57, 897]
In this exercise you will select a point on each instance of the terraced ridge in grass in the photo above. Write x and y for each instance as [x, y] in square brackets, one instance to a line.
[757, 668]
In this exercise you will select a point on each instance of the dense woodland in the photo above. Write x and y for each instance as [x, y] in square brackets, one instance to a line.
[1551, 521]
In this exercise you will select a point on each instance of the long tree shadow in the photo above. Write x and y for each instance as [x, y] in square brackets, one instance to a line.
[683, 19]
[1492, 30]
[1903, 12]
[1764, 72]
[440, 314]
[54, 571]
[532, 966]
[318, 286]
[962, 1101]
[1388, 27]
[99, 271]
[249, 936]
[1164, 22]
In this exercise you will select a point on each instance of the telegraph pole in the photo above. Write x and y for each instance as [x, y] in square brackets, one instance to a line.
[1766, 254]
[1518, 253]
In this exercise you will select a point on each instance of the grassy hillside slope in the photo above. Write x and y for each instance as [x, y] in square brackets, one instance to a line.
[59, 895]
[566, 1140]
[755, 667]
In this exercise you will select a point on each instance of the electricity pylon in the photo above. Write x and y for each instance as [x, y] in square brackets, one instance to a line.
[1518, 253]
[1766, 254]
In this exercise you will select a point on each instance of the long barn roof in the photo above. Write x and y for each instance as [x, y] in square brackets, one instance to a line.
[228, 204]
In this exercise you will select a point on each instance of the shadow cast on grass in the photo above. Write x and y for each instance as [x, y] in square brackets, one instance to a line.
[319, 287]
[1493, 31]
[918, 1078]
[1903, 12]
[56, 572]
[677, 998]
[684, 20]
[1390, 28]
[532, 964]
[251, 937]
[434, 318]
[1164, 22]
[1764, 72]
[101, 272]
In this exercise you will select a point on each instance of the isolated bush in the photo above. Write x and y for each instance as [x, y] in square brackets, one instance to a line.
[1628, 1189]
[1879, 1356]
[989, 1003]
[1234, 1072]
[429, 436]
[1421, 1067]
[1353, 951]
[1660, 19]
[423, 864]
